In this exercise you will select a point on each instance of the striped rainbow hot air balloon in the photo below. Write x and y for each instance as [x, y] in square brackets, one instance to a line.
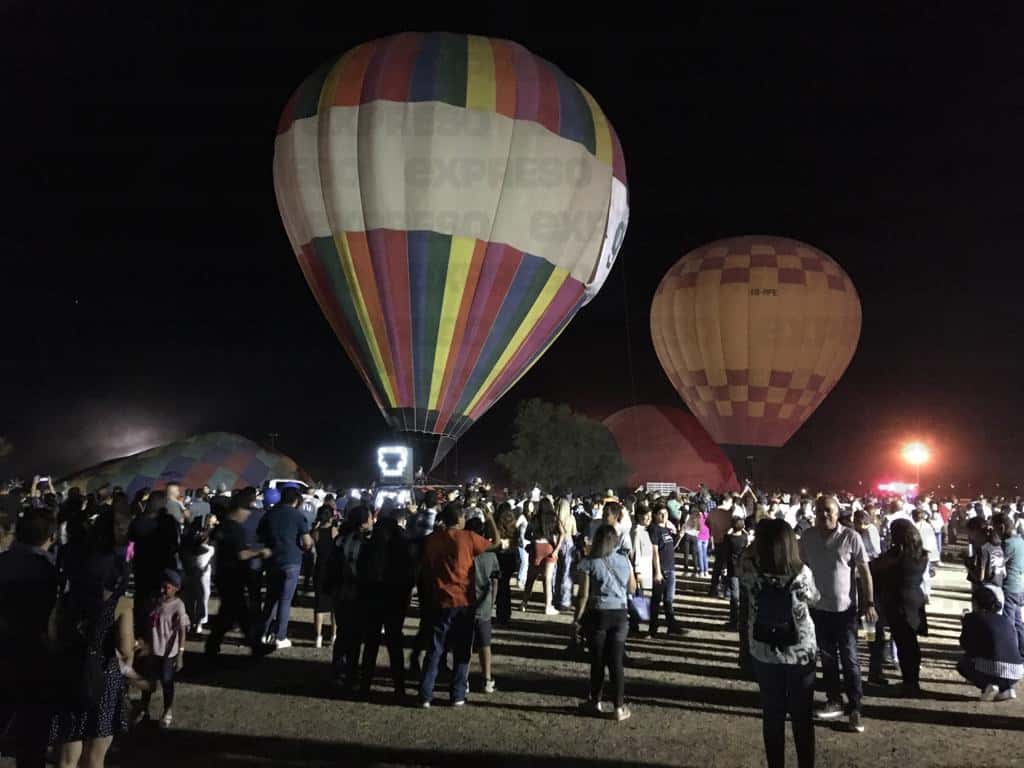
[453, 201]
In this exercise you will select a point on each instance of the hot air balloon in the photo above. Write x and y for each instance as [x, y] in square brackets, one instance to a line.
[453, 201]
[212, 459]
[754, 332]
[664, 444]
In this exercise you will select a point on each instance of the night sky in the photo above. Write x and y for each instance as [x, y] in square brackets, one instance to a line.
[149, 290]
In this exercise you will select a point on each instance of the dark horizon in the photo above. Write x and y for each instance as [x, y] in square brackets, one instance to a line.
[153, 293]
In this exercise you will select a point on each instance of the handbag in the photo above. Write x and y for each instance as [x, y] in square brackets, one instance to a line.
[641, 605]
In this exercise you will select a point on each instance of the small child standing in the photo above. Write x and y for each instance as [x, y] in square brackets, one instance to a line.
[486, 573]
[168, 623]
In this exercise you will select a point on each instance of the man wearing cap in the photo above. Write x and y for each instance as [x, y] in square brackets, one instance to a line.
[832, 551]
[284, 531]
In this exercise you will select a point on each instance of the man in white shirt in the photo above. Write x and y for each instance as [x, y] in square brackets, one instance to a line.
[174, 506]
[832, 551]
[423, 523]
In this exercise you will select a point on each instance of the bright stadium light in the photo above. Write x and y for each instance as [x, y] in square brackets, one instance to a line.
[916, 454]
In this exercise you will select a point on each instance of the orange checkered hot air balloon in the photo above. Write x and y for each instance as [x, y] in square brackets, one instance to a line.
[754, 332]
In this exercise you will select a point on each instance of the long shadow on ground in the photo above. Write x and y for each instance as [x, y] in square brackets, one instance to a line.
[176, 747]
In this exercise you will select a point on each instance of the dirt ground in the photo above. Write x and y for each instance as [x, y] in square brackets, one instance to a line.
[691, 706]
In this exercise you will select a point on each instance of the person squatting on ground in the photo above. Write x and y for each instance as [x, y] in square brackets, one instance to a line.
[991, 660]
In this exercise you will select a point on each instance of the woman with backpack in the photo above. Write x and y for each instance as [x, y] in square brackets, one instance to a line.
[783, 645]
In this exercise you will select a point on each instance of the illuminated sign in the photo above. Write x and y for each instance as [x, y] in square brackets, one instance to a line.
[395, 463]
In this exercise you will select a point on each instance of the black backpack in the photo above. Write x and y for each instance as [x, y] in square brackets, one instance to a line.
[774, 625]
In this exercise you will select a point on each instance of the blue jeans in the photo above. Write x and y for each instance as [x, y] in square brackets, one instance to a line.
[837, 637]
[453, 628]
[662, 599]
[979, 679]
[524, 565]
[734, 600]
[938, 543]
[281, 586]
[562, 589]
[702, 557]
[1011, 607]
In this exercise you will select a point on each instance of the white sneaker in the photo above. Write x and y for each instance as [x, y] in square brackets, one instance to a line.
[319, 642]
[990, 693]
[551, 611]
[282, 644]
[489, 686]
[167, 719]
[1008, 695]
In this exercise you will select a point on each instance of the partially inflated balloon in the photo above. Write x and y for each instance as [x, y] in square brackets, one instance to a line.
[754, 332]
[453, 200]
[663, 444]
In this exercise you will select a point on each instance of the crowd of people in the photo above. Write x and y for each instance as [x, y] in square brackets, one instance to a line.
[99, 593]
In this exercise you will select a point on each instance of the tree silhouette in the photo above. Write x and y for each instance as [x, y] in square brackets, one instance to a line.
[559, 449]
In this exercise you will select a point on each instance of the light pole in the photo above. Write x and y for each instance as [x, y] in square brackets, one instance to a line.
[916, 454]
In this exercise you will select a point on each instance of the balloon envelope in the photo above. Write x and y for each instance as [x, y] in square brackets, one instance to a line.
[453, 200]
[209, 459]
[754, 332]
[665, 444]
